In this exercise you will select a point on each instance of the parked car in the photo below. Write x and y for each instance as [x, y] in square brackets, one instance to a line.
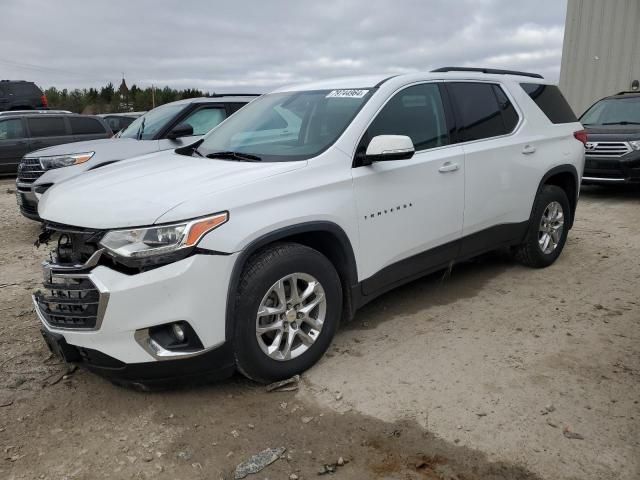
[246, 249]
[613, 140]
[169, 126]
[120, 121]
[25, 132]
[21, 95]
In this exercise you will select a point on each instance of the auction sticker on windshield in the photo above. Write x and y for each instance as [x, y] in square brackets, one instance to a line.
[347, 93]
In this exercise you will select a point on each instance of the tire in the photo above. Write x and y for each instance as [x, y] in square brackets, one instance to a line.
[289, 264]
[530, 252]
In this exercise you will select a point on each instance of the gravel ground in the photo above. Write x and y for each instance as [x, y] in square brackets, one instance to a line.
[489, 373]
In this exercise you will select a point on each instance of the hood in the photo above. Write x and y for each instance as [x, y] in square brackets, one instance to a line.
[107, 149]
[613, 132]
[137, 192]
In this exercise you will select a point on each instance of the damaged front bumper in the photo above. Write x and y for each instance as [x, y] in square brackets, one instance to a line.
[104, 319]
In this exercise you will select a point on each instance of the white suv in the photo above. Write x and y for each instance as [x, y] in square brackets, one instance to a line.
[247, 249]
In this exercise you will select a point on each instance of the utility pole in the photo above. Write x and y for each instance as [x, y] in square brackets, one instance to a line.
[153, 96]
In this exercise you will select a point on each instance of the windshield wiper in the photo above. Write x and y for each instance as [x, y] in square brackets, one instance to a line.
[140, 130]
[239, 156]
[624, 122]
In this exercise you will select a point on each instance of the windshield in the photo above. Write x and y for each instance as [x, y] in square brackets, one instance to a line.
[613, 111]
[148, 125]
[285, 126]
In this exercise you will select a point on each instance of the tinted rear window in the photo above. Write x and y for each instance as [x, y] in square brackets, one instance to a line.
[46, 126]
[85, 126]
[25, 88]
[551, 102]
[478, 111]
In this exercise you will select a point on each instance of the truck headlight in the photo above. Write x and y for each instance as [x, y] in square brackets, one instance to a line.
[635, 144]
[57, 161]
[141, 243]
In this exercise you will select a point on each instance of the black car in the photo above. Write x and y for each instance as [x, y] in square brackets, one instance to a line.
[21, 95]
[24, 133]
[613, 140]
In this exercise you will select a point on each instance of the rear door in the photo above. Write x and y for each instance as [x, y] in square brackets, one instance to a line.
[48, 130]
[497, 167]
[87, 128]
[410, 211]
[13, 143]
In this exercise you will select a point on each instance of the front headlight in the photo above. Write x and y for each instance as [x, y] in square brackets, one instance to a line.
[635, 144]
[57, 161]
[141, 243]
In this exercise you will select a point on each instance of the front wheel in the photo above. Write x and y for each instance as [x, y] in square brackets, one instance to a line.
[548, 229]
[287, 311]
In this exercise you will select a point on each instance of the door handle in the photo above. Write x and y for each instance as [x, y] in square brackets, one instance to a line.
[528, 149]
[449, 167]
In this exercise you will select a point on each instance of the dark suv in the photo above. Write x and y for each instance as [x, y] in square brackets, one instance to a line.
[23, 133]
[21, 95]
[613, 140]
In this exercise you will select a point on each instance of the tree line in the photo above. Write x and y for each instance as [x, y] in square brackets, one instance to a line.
[108, 99]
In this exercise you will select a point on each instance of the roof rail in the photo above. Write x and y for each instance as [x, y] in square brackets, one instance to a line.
[625, 92]
[216, 95]
[487, 70]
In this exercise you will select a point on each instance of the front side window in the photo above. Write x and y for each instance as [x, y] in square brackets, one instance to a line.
[205, 119]
[47, 126]
[148, 125]
[416, 112]
[287, 126]
[478, 111]
[11, 129]
[613, 111]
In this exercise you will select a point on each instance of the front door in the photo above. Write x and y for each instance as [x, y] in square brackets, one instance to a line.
[410, 212]
[13, 144]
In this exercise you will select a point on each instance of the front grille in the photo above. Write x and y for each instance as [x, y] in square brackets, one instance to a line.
[607, 149]
[69, 302]
[29, 170]
[69, 298]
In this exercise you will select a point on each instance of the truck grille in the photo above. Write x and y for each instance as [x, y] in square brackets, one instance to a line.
[29, 170]
[607, 149]
[69, 302]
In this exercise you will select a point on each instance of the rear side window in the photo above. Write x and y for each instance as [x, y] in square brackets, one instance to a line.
[551, 101]
[479, 113]
[46, 126]
[11, 129]
[26, 88]
[416, 112]
[85, 126]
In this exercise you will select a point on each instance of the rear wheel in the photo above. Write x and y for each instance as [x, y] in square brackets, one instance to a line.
[548, 229]
[287, 311]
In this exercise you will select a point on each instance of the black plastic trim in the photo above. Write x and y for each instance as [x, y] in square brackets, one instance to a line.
[495, 71]
[282, 234]
[566, 168]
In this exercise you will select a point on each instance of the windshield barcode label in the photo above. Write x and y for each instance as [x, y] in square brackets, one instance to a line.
[347, 93]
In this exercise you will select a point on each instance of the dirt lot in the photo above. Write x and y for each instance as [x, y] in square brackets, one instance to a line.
[485, 374]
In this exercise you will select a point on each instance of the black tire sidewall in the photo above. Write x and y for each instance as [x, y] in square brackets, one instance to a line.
[548, 194]
[251, 360]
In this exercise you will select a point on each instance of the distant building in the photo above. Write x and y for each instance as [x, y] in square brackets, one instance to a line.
[124, 104]
[601, 51]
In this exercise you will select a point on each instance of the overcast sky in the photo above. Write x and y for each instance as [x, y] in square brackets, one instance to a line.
[257, 45]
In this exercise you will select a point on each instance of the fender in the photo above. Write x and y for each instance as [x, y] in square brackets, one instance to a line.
[349, 270]
[564, 168]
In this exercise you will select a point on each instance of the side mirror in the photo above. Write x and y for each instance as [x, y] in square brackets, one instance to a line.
[389, 147]
[180, 130]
